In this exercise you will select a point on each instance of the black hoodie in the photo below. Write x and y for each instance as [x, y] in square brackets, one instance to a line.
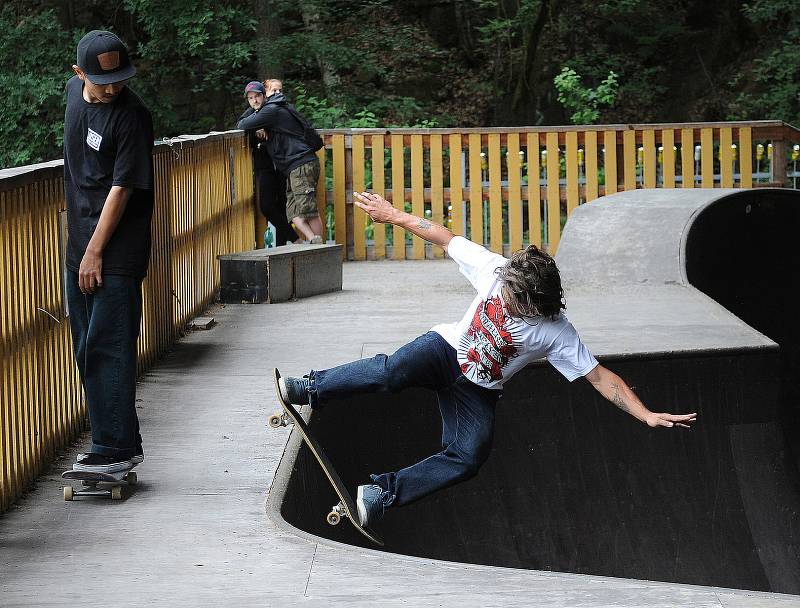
[261, 157]
[286, 143]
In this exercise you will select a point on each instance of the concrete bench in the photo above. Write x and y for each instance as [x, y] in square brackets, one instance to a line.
[280, 273]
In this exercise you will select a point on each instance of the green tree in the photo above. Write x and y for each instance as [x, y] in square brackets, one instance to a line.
[192, 56]
[584, 101]
[32, 80]
[772, 88]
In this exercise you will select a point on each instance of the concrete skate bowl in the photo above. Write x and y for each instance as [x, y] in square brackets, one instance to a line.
[574, 485]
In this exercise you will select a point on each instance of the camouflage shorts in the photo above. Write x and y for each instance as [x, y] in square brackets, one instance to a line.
[301, 191]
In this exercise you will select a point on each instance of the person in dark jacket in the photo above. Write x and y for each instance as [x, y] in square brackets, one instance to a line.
[292, 157]
[271, 183]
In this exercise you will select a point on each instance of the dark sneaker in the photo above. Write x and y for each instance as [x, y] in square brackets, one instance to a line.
[97, 463]
[369, 501]
[294, 390]
[138, 458]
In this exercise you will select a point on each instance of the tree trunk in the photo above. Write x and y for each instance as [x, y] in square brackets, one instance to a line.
[268, 30]
[525, 91]
[314, 24]
[464, 28]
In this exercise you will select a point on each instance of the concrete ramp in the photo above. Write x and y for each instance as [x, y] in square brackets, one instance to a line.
[573, 484]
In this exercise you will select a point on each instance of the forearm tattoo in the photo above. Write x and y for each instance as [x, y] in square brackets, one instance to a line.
[617, 399]
[424, 224]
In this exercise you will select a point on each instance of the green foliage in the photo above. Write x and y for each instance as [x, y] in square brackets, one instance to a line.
[585, 102]
[319, 111]
[32, 79]
[376, 63]
[506, 28]
[771, 90]
[326, 114]
[188, 56]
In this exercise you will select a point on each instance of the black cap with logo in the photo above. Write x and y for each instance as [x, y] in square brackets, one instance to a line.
[104, 58]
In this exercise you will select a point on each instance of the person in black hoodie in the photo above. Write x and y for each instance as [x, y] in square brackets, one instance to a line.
[292, 157]
[271, 184]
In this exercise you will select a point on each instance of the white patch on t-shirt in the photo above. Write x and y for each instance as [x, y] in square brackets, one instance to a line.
[94, 140]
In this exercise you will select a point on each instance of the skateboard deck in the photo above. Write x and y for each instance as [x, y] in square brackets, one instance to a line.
[112, 483]
[346, 507]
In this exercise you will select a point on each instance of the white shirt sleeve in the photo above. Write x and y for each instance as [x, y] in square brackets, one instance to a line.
[569, 355]
[475, 261]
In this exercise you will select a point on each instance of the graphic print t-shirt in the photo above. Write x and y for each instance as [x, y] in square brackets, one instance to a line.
[105, 145]
[491, 345]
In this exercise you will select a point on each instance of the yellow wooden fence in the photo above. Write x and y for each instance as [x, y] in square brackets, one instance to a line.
[203, 207]
[508, 187]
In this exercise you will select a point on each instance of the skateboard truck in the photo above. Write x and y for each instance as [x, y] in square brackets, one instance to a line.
[278, 420]
[336, 514]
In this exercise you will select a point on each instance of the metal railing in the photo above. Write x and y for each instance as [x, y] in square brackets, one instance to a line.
[203, 207]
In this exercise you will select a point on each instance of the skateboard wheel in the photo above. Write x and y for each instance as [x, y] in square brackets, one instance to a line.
[131, 478]
[334, 518]
[68, 493]
[116, 493]
[276, 421]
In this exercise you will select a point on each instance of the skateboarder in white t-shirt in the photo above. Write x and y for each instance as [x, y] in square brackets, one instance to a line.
[515, 318]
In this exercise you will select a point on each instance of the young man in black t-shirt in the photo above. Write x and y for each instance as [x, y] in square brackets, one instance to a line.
[108, 182]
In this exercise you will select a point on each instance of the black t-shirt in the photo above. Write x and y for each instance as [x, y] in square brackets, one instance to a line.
[108, 145]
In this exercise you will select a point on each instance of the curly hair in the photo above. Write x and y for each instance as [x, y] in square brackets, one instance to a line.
[532, 285]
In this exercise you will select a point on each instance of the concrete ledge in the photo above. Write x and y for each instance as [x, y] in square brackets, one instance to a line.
[280, 274]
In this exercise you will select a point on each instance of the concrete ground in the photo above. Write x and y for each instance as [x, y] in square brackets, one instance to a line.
[197, 529]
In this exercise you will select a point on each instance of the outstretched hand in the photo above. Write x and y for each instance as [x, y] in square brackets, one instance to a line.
[669, 420]
[377, 207]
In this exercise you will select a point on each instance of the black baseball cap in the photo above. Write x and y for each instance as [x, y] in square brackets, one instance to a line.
[254, 86]
[104, 58]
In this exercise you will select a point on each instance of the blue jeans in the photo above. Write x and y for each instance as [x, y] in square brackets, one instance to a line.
[467, 411]
[105, 326]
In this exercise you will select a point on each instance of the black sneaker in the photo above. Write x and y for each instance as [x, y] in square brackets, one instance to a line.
[137, 458]
[294, 390]
[97, 463]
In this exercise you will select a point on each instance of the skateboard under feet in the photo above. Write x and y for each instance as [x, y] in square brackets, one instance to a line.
[346, 507]
[99, 484]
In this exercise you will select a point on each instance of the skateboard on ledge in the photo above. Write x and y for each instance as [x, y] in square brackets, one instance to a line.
[346, 507]
[112, 483]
